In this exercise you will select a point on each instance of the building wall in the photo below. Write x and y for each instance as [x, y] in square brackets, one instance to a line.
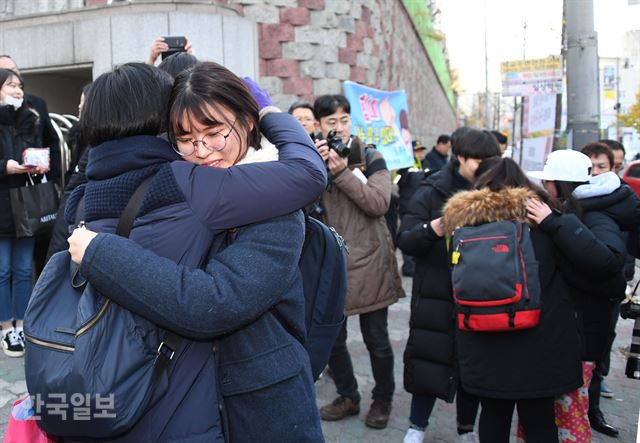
[308, 47]
[296, 48]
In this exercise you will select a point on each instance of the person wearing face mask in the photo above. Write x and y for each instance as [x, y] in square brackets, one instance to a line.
[18, 130]
[49, 139]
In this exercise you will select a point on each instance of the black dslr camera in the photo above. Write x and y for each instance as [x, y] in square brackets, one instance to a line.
[335, 142]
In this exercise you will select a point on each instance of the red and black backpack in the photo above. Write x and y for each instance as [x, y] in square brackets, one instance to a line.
[495, 277]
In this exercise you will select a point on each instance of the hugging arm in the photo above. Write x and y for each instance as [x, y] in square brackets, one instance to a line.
[238, 285]
[243, 194]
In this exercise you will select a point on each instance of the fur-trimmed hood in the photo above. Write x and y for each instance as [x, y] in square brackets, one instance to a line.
[469, 208]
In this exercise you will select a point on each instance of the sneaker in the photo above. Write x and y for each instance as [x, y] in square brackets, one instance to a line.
[469, 437]
[605, 390]
[378, 415]
[12, 344]
[413, 436]
[339, 408]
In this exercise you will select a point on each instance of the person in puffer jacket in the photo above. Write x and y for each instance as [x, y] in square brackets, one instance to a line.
[594, 199]
[256, 383]
[528, 368]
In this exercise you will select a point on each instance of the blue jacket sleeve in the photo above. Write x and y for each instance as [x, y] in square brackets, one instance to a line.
[243, 194]
[238, 285]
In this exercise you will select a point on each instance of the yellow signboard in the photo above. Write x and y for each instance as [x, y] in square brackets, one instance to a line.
[540, 64]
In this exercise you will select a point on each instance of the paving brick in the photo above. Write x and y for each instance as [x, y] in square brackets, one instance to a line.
[282, 68]
[299, 50]
[294, 16]
[324, 19]
[279, 32]
[311, 4]
[270, 49]
[309, 34]
[347, 24]
[327, 86]
[347, 55]
[313, 69]
[273, 85]
[358, 74]
[326, 53]
[341, 71]
[354, 42]
[262, 13]
[298, 85]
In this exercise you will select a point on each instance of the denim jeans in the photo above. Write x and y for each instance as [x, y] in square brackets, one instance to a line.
[376, 336]
[16, 277]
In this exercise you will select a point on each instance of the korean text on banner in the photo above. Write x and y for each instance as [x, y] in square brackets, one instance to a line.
[381, 118]
[532, 77]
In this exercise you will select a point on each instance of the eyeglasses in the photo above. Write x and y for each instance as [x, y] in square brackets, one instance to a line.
[211, 142]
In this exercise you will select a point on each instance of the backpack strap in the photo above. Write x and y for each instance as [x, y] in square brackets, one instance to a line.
[171, 341]
[373, 166]
[125, 223]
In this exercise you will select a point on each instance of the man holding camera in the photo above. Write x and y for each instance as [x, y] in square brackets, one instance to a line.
[355, 203]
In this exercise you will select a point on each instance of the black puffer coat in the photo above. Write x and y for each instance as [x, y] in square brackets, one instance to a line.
[17, 132]
[595, 293]
[429, 358]
[534, 363]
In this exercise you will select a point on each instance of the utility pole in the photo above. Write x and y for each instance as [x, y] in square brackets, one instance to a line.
[582, 73]
[617, 105]
[563, 54]
[487, 117]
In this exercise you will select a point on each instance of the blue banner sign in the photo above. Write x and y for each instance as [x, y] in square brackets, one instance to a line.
[381, 118]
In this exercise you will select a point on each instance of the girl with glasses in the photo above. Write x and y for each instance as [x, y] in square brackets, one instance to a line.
[256, 383]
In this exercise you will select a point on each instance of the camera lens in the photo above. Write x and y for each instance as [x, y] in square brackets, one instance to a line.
[335, 142]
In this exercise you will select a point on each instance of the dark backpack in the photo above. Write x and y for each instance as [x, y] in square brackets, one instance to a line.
[93, 367]
[323, 265]
[495, 277]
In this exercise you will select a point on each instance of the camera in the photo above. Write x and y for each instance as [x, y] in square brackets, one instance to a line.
[335, 142]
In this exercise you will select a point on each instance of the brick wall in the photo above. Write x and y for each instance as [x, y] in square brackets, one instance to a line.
[308, 47]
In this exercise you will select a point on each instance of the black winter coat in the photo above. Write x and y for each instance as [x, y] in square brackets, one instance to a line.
[429, 357]
[410, 179]
[17, 132]
[534, 363]
[47, 135]
[595, 291]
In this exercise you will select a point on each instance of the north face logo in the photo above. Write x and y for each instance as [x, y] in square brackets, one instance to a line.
[500, 248]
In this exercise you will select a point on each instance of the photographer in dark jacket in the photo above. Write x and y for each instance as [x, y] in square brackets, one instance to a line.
[429, 358]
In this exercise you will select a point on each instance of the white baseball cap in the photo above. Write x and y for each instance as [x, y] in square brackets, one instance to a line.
[565, 165]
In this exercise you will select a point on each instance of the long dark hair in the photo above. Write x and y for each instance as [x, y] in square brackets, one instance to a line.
[569, 204]
[497, 173]
[209, 84]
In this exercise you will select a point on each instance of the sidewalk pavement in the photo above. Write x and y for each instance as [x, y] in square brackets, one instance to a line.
[621, 411]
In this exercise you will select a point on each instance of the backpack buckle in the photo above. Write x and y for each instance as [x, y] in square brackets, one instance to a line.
[165, 350]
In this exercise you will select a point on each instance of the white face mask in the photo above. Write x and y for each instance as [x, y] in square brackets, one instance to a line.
[11, 101]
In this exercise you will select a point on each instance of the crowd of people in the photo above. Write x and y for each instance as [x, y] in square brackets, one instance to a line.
[219, 156]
